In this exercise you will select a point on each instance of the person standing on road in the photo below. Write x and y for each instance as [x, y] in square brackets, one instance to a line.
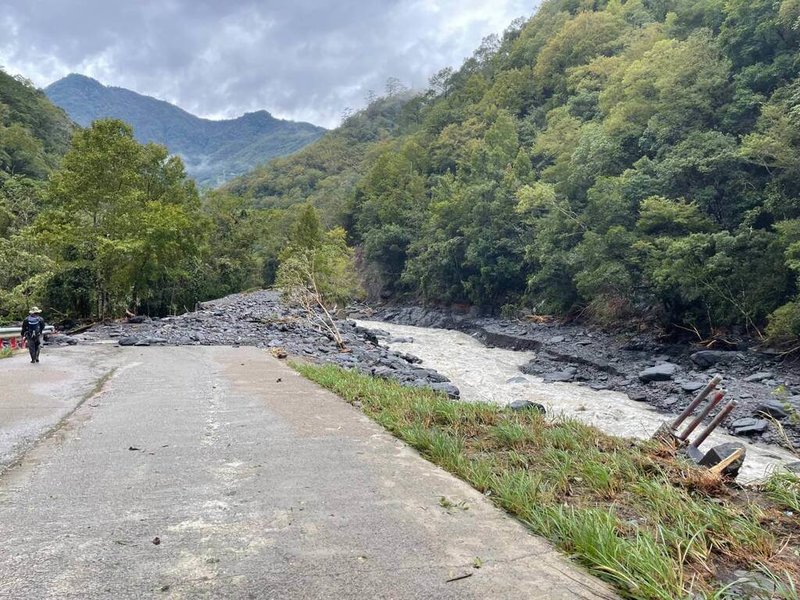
[32, 331]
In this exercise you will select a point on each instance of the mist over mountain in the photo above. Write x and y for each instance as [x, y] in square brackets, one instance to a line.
[213, 151]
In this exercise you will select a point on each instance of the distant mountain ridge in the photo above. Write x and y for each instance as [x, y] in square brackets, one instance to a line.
[214, 151]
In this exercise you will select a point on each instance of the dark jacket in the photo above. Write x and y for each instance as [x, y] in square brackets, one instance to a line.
[32, 326]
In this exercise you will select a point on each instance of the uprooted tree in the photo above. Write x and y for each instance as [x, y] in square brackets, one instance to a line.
[317, 272]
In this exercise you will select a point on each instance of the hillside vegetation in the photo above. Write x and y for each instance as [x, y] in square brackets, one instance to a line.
[34, 134]
[626, 160]
[93, 223]
[212, 151]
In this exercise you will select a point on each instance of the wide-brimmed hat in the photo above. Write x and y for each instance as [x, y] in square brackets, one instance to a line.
[35, 310]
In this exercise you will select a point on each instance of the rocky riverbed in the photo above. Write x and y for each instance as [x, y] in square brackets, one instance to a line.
[666, 376]
[260, 319]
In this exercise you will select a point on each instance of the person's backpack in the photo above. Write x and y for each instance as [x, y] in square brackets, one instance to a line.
[34, 327]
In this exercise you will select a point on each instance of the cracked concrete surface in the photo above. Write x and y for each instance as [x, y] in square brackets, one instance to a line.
[212, 472]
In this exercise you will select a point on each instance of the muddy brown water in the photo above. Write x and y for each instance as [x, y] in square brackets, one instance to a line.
[493, 375]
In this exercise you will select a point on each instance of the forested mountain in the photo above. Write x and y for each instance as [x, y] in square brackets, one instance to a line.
[211, 150]
[34, 134]
[624, 160]
[92, 223]
[325, 173]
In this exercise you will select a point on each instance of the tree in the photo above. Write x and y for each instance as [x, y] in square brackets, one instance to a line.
[317, 273]
[126, 214]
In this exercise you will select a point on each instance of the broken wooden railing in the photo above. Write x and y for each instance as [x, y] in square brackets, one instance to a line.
[725, 458]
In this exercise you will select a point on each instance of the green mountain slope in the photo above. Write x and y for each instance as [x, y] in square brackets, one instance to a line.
[213, 151]
[34, 133]
[324, 173]
[34, 137]
[622, 160]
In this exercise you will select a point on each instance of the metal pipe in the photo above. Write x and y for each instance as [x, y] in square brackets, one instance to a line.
[698, 399]
[703, 414]
[714, 422]
[14, 332]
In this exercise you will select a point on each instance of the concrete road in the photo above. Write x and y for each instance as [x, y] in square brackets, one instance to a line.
[34, 399]
[220, 473]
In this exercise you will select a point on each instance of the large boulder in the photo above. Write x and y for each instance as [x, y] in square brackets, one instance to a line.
[708, 358]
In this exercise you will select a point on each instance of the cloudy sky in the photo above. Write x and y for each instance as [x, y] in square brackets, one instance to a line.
[300, 59]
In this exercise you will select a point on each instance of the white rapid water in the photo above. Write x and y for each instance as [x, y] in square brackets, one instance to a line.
[484, 374]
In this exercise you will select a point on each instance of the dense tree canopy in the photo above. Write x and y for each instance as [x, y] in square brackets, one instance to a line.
[616, 158]
[621, 160]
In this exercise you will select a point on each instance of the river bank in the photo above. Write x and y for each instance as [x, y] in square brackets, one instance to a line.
[262, 320]
[492, 375]
[594, 364]
[765, 386]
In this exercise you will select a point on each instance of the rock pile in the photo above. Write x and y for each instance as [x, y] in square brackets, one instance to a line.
[260, 319]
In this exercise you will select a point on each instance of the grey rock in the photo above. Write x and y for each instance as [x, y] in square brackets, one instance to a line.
[708, 358]
[129, 340]
[556, 339]
[794, 467]
[719, 453]
[517, 405]
[137, 319]
[401, 340]
[142, 342]
[383, 372]
[432, 375]
[692, 386]
[448, 388]
[749, 426]
[749, 584]
[772, 408]
[663, 372]
[517, 380]
[414, 360]
[558, 376]
[760, 376]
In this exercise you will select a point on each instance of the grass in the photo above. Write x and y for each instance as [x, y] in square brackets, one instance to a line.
[6, 353]
[639, 517]
[784, 489]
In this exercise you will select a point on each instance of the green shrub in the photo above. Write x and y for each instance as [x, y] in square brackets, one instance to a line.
[784, 324]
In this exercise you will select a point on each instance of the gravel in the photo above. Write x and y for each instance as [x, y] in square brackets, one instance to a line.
[260, 319]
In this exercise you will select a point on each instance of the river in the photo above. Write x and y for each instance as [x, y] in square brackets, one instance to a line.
[493, 375]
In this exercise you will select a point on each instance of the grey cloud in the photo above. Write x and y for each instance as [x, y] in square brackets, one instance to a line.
[305, 59]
